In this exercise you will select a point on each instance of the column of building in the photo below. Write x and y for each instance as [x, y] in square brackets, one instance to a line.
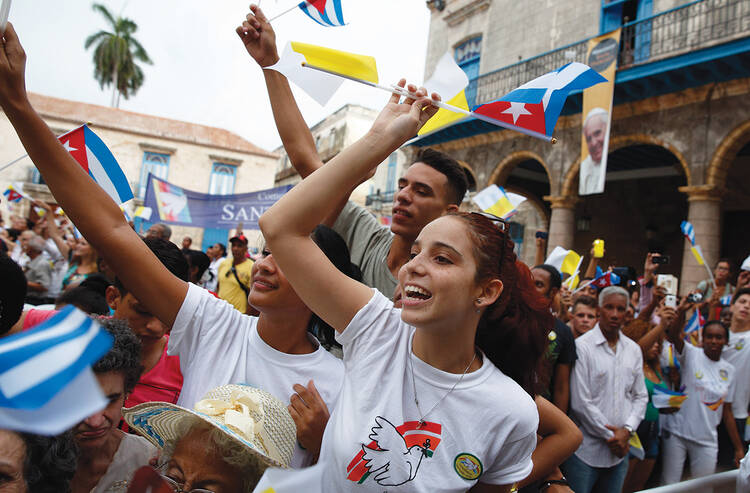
[562, 221]
[704, 213]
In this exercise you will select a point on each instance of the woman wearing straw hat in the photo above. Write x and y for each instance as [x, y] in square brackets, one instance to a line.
[436, 394]
[216, 344]
[224, 444]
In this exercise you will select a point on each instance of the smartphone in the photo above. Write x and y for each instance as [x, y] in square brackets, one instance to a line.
[598, 248]
[542, 234]
[670, 300]
[668, 282]
[660, 260]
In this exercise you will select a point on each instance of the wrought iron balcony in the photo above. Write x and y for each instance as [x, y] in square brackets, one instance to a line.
[696, 25]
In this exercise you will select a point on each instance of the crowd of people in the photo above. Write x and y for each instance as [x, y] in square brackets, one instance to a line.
[420, 356]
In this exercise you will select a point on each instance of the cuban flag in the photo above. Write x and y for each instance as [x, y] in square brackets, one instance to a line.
[688, 231]
[11, 195]
[693, 327]
[46, 381]
[325, 12]
[96, 159]
[536, 105]
[609, 278]
[726, 300]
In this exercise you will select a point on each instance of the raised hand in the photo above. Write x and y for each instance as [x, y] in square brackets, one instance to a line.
[400, 121]
[12, 70]
[258, 37]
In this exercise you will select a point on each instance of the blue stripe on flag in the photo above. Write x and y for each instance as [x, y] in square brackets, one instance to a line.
[726, 300]
[109, 163]
[339, 11]
[38, 364]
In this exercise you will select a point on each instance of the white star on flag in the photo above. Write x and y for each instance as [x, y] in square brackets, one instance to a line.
[517, 109]
[69, 147]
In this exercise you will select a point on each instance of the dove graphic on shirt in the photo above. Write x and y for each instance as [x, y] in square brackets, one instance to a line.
[393, 463]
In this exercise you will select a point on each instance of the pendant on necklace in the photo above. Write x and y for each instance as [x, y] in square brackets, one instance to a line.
[421, 423]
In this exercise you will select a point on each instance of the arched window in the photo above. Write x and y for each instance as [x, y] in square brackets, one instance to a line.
[156, 164]
[222, 179]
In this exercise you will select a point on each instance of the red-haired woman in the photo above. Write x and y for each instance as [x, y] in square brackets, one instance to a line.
[439, 392]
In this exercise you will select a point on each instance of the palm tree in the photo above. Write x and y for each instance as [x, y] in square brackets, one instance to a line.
[115, 56]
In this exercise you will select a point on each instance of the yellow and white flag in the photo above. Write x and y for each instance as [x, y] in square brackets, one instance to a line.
[450, 82]
[566, 261]
[143, 212]
[495, 200]
[321, 85]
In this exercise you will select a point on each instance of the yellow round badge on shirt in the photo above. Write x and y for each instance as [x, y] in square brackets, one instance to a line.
[552, 335]
[468, 466]
[724, 374]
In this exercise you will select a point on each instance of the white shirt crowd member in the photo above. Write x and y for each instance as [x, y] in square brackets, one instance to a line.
[218, 345]
[483, 430]
[692, 429]
[606, 388]
[737, 353]
[213, 268]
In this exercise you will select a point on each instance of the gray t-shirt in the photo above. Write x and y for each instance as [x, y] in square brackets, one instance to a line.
[39, 271]
[369, 243]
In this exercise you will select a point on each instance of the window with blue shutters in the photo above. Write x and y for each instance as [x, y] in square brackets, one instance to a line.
[390, 184]
[156, 164]
[222, 179]
[467, 56]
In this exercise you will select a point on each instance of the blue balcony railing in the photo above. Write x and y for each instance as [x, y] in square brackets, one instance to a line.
[695, 25]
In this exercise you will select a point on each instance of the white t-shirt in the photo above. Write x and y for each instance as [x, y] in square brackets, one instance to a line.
[707, 384]
[218, 345]
[737, 352]
[484, 430]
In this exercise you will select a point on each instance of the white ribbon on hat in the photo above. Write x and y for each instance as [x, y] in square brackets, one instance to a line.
[236, 414]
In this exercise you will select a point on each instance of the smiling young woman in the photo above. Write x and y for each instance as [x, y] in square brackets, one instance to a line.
[456, 363]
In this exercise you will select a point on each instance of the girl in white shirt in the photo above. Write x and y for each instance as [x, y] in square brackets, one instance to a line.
[709, 382]
[436, 396]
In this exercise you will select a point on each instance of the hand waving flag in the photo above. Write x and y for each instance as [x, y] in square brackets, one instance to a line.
[325, 12]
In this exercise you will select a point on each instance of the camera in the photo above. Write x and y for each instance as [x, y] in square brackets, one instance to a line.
[660, 260]
[695, 297]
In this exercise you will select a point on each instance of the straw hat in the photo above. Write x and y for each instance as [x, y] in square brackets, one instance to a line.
[250, 416]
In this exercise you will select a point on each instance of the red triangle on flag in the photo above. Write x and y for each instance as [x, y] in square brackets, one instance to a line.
[318, 4]
[75, 143]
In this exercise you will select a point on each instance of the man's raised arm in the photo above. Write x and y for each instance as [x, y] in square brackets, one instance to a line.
[259, 39]
[94, 213]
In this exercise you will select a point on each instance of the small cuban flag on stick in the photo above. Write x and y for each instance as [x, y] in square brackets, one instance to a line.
[96, 159]
[495, 200]
[46, 381]
[693, 327]
[688, 231]
[664, 398]
[325, 12]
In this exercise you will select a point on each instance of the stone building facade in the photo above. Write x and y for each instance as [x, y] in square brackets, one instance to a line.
[196, 157]
[680, 137]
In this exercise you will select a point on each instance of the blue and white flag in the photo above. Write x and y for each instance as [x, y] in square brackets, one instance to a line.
[325, 12]
[536, 105]
[688, 231]
[46, 382]
[726, 300]
[693, 327]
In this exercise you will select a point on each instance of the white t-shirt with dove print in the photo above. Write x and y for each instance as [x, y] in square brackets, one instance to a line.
[482, 431]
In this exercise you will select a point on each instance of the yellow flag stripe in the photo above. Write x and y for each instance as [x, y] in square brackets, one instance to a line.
[697, 255]
[570, 263]
[445, 117]
[340, 62]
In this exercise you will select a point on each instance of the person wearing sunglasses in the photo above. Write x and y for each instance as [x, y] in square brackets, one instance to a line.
[440, 391]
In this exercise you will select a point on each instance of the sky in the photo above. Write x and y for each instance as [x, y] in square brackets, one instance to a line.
[201, 71]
